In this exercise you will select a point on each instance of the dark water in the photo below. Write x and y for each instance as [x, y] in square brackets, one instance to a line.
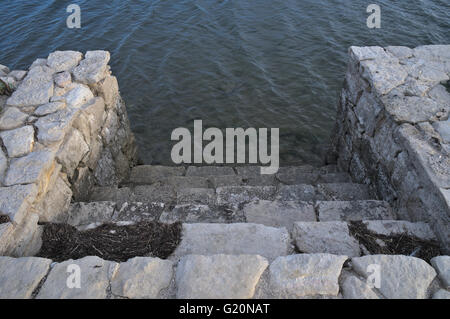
[235, 63]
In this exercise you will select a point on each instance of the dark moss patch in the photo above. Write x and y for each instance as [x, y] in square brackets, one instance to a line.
[395, 245]
[5, 89]
[110, 242]
[4, 219]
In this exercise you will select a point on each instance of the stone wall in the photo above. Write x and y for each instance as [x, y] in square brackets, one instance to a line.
[393, 129]
[63, 130]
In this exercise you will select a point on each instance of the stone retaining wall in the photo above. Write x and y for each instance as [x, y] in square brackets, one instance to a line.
[63, 129]
[393, 129]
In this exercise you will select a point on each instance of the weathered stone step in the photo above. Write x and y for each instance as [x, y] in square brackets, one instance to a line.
[225, 276]
[338, 237]
[234, 239]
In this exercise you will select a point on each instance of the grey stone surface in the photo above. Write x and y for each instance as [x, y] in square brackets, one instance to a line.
[12, 118]
[142, 277]
[219, 276]
[3, 165]
[149, 174]
[78, 95]
[252, 176]
[444, 129]
[298, 178]
[55, 205]
[206, 171]
[35, 89]
[354, 288]
[64, 60]
[195, 213]
[180, 182]
[225, 180]
[297, 276]
[38, 62]
[196, 196]
[137, 211]
[402, 277]
[278, 213]
[86, 213]
[233, 239]
[53, 127]
[354, 210]
[16, 200]
[344, 191]
[19, 277]
[18, 142]
[96, 274]
[49, 108]
[154, 193]
[325, 237]
[72, 152]
[237, 195]
[441, 294]
[30, 169]
[111, 193]
[386, 227]
[301, 192]
[93, 68]
[62, 79]
[442, 266]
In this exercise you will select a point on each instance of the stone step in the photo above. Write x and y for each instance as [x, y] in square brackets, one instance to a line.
[231, 196]
[338, 237]
[233, 239]
[274, 213]
[223, 276]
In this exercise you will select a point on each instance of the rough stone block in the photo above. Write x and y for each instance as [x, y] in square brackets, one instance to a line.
[18, 142]
[354, 210]
[64, 60]
[296, 193]
[325, 237]
[16, 200]
[304, 275]
[12, 118]
[442, 266]
[219, 276]
[237, 195]
[233, 239]
[205, 171]
[402, 277]
[19, 277]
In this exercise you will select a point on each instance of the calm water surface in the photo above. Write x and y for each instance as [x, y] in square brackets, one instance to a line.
[235, 63]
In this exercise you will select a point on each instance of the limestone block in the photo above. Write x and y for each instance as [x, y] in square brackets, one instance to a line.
[233, 239]
[26, 238]
[93, 68]
[35, 89]
[204, 196]
[397, 227]
[354, 210]
[96, 274]
[33, 168]
[18, 74]
[78, 95]
[205, 171]
[442, 294]
[278, 213]
[63, 79]
[38, 62]
[15, 201]
[72, 152]
[18, 142]
[355, 288]
[64, 60]
[411, 109]
[108, 89]
[442, 266]
[53, 127]
[3, 165]
[49, 108]
[368, 53]
[149, 174]
[54, 206]
[236, 195]
[402, 277]
[400, 52]
[138, 211]
[19, 277]
[384, 75]
[88, 213]
[301, 192]
[12, 118]
[142, 278]
[304, 275]
[219, 276]
[325, 237]
[95, 112]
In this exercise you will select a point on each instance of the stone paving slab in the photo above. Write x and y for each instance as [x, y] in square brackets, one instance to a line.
[401, 277]
[95, 275]
[354, 210]
[205, 171]
[278, 213]
[197, 213]
[233, 239]
[297, 276]
[238, 195]
[325, 237]
[19, 277]
[205, 196]
[344, 191]
[142, 278]
[219, 276]
[301, 192]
